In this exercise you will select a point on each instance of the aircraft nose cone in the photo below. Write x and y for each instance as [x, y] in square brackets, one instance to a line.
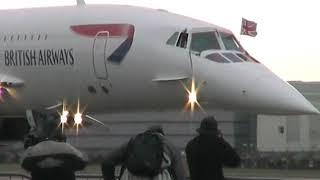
[282, 98]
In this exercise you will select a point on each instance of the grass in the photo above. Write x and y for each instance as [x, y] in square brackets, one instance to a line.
[238, 172]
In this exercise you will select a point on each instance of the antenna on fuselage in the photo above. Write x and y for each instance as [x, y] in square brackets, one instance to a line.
[81, 2]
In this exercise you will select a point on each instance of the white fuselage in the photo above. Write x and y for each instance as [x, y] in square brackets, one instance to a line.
[59, 55]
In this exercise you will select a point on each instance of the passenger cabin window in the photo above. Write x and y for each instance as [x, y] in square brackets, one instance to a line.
[183, 40]
[229, 42]
[23, 37]
[202, 41]
[173, 39]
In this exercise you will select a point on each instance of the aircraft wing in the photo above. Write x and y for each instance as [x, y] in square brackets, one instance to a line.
[8, 81]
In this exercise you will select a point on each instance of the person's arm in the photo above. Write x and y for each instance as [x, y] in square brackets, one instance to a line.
[114, 158]
[193, 165]
[230, 156]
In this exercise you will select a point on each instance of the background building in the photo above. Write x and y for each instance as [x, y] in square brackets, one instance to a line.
[292, 133]
[178, 126]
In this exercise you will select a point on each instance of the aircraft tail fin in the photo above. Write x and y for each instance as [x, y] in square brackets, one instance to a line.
[81, 2]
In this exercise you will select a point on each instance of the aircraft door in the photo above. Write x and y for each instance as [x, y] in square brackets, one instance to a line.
[99, 55]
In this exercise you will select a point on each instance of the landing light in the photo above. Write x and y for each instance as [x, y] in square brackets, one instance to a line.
[78, 118]
[64, 117]
[193, 95]
[77, 121]
[3, 92]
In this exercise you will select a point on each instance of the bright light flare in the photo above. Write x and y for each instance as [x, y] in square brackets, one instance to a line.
[78, 117]
[193, 95]
[2, 91]
[64, 118]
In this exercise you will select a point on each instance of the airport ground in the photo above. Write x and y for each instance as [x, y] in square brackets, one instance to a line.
[238, 172]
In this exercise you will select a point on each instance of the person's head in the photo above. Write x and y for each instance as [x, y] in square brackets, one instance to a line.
[208, 126]
[155, 129]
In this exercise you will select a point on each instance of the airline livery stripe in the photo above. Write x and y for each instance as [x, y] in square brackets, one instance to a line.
[114, 30]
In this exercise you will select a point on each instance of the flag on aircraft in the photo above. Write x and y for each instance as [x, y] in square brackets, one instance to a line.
[248, 28]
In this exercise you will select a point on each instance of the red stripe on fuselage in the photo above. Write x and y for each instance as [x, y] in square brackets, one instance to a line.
[115, 30]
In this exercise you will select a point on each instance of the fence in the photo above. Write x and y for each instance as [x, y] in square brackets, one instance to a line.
[13, 176]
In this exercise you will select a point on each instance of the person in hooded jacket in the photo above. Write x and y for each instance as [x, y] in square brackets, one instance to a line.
[208, 152]
[119, 157]
[47, 131]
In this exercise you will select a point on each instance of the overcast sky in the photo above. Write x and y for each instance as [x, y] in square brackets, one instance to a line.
[288, 40]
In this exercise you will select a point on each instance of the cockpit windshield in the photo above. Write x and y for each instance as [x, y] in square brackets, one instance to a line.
[215, 45]
[229, 42]
[202, 41]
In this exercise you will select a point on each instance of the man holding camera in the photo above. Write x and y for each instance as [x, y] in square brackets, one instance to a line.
[208, 152]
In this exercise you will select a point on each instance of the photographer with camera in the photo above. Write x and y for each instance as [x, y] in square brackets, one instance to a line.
[208, 152]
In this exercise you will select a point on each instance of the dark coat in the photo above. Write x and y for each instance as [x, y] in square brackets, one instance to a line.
[119, 155]
[207, 154]
[53, 174]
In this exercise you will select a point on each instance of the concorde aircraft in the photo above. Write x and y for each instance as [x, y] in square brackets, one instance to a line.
[119, 58]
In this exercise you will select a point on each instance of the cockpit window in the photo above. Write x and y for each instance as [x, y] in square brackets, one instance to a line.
[247, 58]
[173, 39]
[242, 56]
[232, 57]
[229, 42]
[217, 58]
[202, 41]
[183, 40]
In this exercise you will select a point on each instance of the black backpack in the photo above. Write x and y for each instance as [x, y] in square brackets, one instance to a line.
[145, 155]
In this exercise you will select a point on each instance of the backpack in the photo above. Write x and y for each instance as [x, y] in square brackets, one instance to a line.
[145, 155]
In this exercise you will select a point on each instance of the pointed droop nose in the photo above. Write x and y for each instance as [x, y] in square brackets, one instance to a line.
[280, 97]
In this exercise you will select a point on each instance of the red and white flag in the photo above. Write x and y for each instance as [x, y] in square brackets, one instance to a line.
[248, 28]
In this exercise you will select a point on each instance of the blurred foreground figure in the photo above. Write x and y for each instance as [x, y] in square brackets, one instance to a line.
[47, 155]
[147, 156]
[209, 152]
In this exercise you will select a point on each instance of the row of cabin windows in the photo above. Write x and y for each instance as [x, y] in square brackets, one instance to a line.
[24, 37]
